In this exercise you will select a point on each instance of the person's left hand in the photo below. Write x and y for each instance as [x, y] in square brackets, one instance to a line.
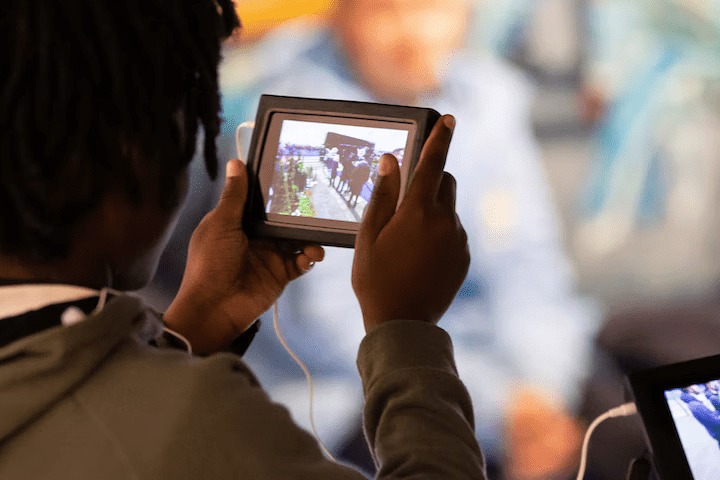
[543, 441]
[230, 281]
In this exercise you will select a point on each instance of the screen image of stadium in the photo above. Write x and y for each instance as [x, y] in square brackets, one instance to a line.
[695, 410]
[327, 170]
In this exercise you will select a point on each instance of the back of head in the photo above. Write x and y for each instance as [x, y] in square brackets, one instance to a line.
[94, 94]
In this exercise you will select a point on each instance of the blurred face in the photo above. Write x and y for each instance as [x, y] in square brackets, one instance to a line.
[400, 48]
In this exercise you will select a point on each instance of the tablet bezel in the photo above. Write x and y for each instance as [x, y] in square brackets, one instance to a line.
[649, 387]
[418, 121]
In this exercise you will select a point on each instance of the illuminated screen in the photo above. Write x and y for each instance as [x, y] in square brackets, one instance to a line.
[695, 411]
[318, 168]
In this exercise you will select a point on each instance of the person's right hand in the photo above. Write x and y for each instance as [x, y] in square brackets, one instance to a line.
[410, 263]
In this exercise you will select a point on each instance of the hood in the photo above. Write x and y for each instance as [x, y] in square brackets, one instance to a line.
[38, 370]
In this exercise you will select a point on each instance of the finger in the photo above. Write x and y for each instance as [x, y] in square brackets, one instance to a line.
[429, 171]
[284, 267]
[315, 253]
[232, 199]
[383, 201]
[447, 192]
[304, 263]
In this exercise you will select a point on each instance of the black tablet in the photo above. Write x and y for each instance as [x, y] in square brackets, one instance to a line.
[313, 164]
[680, 409]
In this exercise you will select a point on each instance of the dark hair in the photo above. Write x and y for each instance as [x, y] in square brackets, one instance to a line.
[88, 90]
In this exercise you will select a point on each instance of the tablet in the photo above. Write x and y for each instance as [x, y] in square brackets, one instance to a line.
[680, 408]
[313, 164]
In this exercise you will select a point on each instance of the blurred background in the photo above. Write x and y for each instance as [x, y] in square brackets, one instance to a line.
[627, 100]
[624, 109]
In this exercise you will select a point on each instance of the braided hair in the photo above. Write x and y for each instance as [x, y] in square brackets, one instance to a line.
[90, 89]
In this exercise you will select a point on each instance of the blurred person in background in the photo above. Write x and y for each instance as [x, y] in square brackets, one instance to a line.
[522, 337]
[653, 86]
[647, 238]
[501, 26]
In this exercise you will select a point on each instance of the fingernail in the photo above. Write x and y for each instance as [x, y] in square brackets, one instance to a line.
[232, 169]
[385, 166]
[450, 122]
[310, 266]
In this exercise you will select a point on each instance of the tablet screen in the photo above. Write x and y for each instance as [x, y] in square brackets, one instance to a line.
[695, 411]
[680, 408]
[313, 164]
[318, 168]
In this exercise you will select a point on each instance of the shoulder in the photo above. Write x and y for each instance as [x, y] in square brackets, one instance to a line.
[138, 373]
[201, 417]
[302, 60]
[274, 53]
[488, 67]
[298, 50]
[490, 82]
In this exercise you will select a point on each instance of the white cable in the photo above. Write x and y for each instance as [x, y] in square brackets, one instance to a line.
[180, 337]
[103, 300]
[103, 294]
[624, 410]
[303, 367]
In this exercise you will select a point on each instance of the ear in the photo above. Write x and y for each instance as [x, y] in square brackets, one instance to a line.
[130, 236]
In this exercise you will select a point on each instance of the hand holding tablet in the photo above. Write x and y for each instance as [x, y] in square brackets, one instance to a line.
[313, 164]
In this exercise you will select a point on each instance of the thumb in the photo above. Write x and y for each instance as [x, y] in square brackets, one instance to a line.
[384, 199]
[232, 199]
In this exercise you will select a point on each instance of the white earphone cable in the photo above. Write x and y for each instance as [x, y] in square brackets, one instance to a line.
[303, 367]
[624, 410]
[103, 300]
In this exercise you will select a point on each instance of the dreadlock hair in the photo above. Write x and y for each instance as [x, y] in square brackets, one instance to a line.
[88, 90]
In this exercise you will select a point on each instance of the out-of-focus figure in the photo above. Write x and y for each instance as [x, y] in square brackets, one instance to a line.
[650, 208]
[501, 26]
[647, 238]
[522, 336]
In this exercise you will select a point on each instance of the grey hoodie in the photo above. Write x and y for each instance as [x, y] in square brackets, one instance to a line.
[96, 401]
